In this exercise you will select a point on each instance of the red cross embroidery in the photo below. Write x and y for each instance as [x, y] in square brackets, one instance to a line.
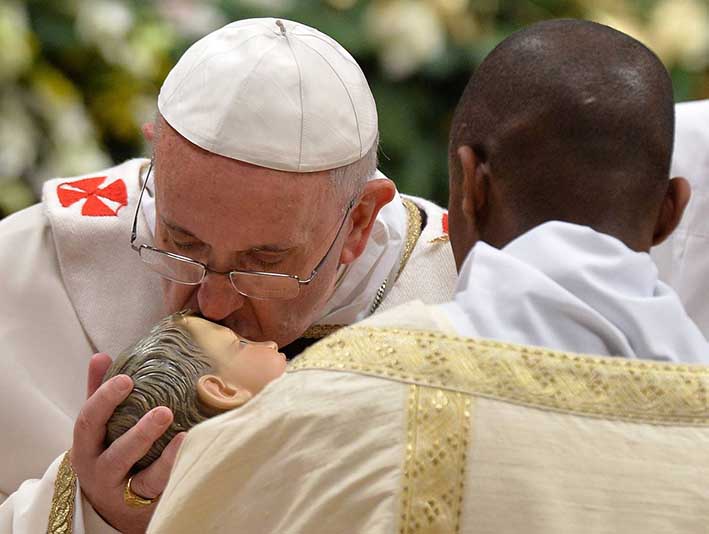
[71, 192]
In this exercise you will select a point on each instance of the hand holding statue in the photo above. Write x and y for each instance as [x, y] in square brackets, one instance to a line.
[103, 472]
[126, 437]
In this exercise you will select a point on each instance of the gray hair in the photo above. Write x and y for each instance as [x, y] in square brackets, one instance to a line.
[351, 179]
[165, 367]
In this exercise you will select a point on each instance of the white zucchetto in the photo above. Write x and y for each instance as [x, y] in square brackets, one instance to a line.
[273, 93]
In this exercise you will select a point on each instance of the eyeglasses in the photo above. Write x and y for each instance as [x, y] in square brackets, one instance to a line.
[253, 284]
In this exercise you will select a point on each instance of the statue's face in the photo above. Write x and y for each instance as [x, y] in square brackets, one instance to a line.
[244, 364]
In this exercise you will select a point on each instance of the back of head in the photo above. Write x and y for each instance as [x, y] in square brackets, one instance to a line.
[574, 121]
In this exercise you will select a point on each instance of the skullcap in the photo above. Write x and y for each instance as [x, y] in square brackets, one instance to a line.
[274, 93]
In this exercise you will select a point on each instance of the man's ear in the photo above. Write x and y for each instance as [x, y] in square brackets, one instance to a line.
[673, 205]
[376, 195]
[148, 129]
[216, 393]
[474, 186]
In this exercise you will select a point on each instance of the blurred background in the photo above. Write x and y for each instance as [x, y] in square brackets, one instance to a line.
[79, 77]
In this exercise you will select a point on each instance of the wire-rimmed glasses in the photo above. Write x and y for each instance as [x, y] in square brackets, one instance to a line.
[253, 284]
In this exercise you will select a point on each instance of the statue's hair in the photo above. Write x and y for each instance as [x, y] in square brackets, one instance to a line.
[165, 367]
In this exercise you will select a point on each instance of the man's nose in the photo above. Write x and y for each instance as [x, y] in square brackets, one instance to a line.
[217, 298]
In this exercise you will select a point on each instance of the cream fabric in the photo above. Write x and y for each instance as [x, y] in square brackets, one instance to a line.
[74, 287]
[325, 450]
[280, 95]
[568, 287]
[683, 259]
[539, 471]
[315, 471]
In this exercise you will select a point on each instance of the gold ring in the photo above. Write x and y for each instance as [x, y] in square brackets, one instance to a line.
[133, 499]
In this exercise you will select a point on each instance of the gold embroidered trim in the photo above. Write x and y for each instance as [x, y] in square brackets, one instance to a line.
[616, 388]
[434, 467]
[440, 239]
[61, 514]
[318, 331]
[413, 232]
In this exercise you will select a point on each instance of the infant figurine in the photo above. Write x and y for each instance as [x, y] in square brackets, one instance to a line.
[196, 368]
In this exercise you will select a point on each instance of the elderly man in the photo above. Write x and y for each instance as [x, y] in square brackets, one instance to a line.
[261, 209]
[379, 429]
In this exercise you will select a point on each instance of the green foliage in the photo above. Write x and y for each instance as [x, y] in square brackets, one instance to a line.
[79, 77]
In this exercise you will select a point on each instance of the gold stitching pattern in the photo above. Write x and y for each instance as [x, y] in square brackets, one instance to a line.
[319, 331]
[61, 514]
[434, 466]
[413, 232]
[615, 388]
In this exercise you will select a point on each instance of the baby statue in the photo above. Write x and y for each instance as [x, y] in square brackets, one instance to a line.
[196, 368]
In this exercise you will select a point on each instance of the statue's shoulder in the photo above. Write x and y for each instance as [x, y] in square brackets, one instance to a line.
[597, 386]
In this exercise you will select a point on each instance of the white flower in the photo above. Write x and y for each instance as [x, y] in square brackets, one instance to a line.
[409, 32]
[101, 21]
[191, 18]
[270, 5]
[679, 32]
[15, 47]
[19, 137]
[146, 50]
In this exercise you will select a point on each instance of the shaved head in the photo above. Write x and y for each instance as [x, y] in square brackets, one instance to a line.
[569, 120]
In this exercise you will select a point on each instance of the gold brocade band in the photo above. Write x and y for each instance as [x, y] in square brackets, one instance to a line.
[434, 467]
[413, 233]
[319, 331]
[607, 387]
[61, 514]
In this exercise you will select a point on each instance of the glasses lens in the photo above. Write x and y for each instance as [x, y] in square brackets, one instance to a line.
[181, 271]
[264, 286]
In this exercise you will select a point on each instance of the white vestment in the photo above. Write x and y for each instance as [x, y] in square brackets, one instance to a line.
[567, 287]
[72, 286]
[683, 259]
[400, 425]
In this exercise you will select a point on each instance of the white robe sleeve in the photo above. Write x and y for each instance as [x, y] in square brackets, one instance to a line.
[27, 511]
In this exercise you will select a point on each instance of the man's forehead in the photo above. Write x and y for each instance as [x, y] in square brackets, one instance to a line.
[283, 243]
[244, 218]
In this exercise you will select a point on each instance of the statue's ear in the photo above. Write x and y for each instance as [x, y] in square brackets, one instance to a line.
[216, 393]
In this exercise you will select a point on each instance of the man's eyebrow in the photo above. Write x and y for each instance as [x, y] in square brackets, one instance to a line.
[272, 248]
[176, 228]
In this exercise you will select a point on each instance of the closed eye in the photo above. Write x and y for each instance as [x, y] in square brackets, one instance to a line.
[265, 260]
[185, 244]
